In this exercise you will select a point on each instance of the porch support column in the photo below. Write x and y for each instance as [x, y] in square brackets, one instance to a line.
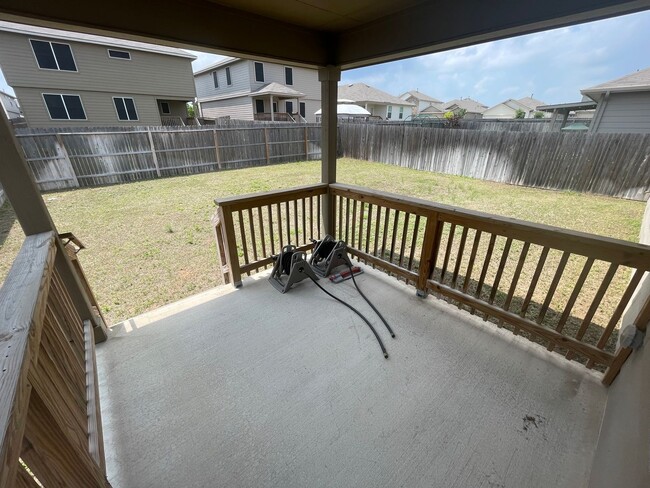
[329, 78]
[271, 99]
[28, 204]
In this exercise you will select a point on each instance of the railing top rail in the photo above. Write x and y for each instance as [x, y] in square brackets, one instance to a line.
[22, 305]
[250, 200]
[599, 247]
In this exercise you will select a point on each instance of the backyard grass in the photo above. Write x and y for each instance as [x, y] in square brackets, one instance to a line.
[150, 243]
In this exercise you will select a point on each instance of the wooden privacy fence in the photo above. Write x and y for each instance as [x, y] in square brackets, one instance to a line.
[607, 164]
[61, 160]
[564, 289]
[50, 420]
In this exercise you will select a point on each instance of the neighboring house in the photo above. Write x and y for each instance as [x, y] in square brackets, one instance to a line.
[347, 110]
[434, 111]
[377, 102]
[473, 109]
[254, 90]
[65, 79]
[420, 100]
[623, 104]
[10, 105]
[508, 108]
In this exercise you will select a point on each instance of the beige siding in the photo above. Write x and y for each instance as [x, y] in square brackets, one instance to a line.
[239, 75]
[99, 108]
[146, 73]
[626, 112]
[235, 108]
[177, 108]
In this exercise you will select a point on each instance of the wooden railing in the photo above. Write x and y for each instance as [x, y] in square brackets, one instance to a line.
[249, 229]
[561, 288]
[50, 421]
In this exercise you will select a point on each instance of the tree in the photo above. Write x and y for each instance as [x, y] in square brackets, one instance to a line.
[453, 118]
[520, 114]
[538, 115]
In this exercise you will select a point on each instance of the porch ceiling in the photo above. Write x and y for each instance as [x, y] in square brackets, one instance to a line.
[253, 388]
[315, 32]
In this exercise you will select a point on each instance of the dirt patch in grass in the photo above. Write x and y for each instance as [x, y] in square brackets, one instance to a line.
[150, 243]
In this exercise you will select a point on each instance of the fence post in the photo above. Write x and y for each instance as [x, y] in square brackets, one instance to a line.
[153, 153]
[306, 145]
[215, 136]
[266, 145]
[66, 157]
[430, 245]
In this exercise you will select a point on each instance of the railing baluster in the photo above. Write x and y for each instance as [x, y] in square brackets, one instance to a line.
[347, 219]
[402, 247]
[354, 223]
[472, 258]
[304, 222]
[279, 216]
[360, 239]
[242, 233]
[484, 270]
[251, 224]
[551, 289]
[394, 235]
[450, 243]
[574, 296]
[385, 233]
[318, 216]
[377, 225]
[533, 284]
[618, 312]
[260, 222]
[414, 241]
[287, 213]
[271, 230]
[515, 277]
[369, 221]
[339, 233]
[602, 289]
[497, 277]
[296, 229]
[459, 256]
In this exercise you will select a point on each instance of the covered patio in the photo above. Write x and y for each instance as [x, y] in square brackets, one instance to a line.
[247, 387]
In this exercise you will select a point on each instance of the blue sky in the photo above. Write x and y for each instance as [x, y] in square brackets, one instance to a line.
[552, 65]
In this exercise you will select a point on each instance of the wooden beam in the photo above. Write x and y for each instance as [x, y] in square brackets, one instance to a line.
[329, 78]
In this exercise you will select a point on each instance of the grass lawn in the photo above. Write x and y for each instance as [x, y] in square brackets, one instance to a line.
[151, 243]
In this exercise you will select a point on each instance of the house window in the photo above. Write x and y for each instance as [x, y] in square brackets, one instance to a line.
[275, 107]
[259, 106]
[125, 108]
[228, 78]
[303, 110]
[288, 75]
[389, 112]
[164, 106]
[401, 112]
[259, 72]
[215, 79]
[289, 107]
[64, 107]
[53, 55]
[114, 53]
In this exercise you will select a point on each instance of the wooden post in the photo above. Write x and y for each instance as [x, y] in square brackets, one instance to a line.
[329, 78]
[215, 136]
[153, 153]
[217, 226]
[430, 245]
[232, 258]
[266, 145]
[64, 150]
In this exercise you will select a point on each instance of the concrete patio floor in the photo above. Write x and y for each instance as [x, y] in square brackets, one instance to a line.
[251, 388]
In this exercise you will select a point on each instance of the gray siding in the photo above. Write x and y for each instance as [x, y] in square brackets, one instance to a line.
[625, 112]
[236, 108]
[240, 77]
[99, 108]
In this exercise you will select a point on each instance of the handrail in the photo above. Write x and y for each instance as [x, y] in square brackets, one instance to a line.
[49, 401]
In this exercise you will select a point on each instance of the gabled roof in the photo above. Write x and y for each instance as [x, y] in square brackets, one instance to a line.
[432, 109]
[639, 81]
[531, 103]
[30, 30]
[420, 96]
[360, 92]
[279, 90]
[472, 106]
[218, 64]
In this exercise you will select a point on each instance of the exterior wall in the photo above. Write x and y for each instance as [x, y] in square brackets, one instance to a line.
[99, 108]
[176, 107]
[500, 111]
[146, 73]
[239, 75]
[236, 108]
[624, 112]
[10, 106]
[381, 110]
[623, 453]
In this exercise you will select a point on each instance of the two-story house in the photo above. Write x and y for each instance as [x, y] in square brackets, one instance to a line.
[377, 102]
[65, 79]
[421, 101]
[255, 90]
